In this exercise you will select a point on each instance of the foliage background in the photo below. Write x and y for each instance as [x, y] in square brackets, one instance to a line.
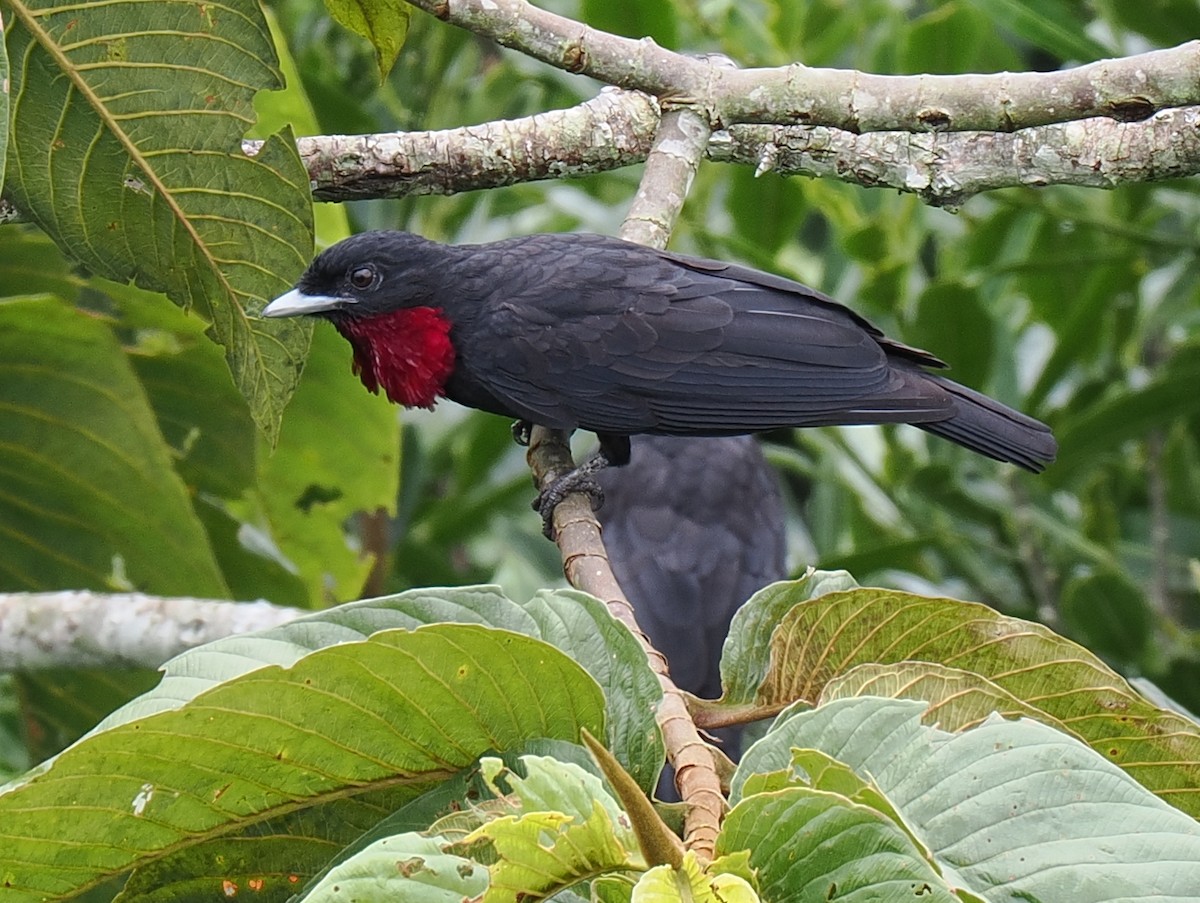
[1078, 306]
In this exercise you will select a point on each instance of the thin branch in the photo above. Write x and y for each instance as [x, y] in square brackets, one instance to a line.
[79, 629]
[1127, 89]
[670, 168]
[611, 130]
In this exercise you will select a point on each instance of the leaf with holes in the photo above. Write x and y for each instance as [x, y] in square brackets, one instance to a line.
[127, 123]
[401, 709]
[566, 827]
[820, 639]
[1012, 810]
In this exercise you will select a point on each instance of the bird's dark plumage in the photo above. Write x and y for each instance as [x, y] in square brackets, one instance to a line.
[585, 331]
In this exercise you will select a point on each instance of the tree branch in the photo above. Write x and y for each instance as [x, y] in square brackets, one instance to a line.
[79, 629]
[946, 169]
[616, 128]
[1125, 89]
[670, 168]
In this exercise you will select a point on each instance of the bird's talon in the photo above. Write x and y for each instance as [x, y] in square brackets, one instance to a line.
[552, 496]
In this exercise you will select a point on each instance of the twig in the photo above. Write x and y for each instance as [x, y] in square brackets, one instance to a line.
[79, 629]
[670, 168]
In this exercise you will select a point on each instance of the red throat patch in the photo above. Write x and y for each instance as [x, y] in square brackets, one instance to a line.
[407, 352]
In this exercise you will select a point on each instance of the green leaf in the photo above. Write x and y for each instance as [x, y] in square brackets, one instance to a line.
[90, 498]
[815, 769]
[812, 845]
[957, 699]
[127, 124]
[382, 22]
[1011, 810]
[820, 639]
[952, 38]
[307, 487]
[952, 316]
[634, 20]
[1051, 25]
[690, 882]
[300, 495]
[1128, 414]
[581, 626]
[1108, 613]
[408, 867]
[344, 720]
[745, 658]
[574, 622]
[567, 828]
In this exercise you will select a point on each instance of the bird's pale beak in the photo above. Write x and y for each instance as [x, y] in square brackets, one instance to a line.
[295, 303]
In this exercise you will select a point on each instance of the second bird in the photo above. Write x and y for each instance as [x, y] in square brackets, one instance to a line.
[576, 331]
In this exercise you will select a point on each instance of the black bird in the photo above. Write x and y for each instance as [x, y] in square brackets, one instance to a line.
[585, 331]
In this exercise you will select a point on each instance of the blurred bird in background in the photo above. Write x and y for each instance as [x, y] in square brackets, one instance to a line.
[693, 528]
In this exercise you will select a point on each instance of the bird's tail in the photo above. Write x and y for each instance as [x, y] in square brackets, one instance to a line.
[990, 428]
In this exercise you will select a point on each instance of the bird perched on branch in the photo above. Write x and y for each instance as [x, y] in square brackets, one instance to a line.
[576, 331]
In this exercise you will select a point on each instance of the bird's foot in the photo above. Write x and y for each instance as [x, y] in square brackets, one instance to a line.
[578, 480]
[522, 431]
[550, 497]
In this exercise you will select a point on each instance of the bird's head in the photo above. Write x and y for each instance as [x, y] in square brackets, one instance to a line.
[365, 275]
[379, 289]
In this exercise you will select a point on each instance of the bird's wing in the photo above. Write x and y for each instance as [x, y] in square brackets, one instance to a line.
[612, 337]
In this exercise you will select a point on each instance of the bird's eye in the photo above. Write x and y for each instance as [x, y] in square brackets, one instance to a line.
[362, 277]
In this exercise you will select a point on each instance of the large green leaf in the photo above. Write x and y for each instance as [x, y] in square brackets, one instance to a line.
[1012, 810]
[89, 496]
[746, 656]
[812, 845]
[574, 622]
[127, 122]
[822, 638]
[401, 708]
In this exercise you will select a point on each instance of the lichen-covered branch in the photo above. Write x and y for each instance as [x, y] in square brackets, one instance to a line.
[77, 629]
[616, 128]
[1125, 89]
[946, 169]
[611, 130]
